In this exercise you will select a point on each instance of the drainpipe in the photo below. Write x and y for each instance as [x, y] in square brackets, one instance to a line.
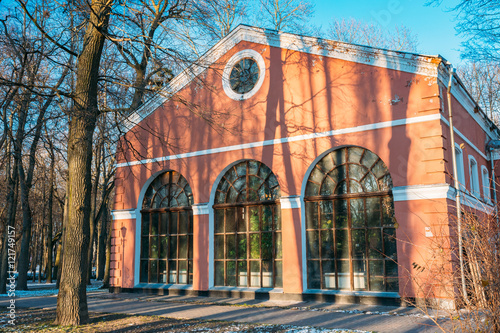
[457, 186]
[491, 146]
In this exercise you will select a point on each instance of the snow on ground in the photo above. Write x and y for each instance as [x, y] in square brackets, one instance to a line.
[45, 292]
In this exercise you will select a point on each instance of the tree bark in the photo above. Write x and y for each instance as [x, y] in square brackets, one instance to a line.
[49, 214]
[105, 280]
[72, 299]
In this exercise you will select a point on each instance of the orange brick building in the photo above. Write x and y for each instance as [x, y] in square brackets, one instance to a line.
[292, 167]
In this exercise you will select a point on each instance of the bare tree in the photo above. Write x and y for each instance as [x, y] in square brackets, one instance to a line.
[286, 15]
[354, 31]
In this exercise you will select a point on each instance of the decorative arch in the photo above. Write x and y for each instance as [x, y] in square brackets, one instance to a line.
[350, 224]
[247, 227]
[166, 252]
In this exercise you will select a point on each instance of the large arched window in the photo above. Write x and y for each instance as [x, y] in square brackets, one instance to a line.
[247, 240]
[350, 225]
[167, 231]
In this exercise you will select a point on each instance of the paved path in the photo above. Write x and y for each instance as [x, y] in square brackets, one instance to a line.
[325, 315]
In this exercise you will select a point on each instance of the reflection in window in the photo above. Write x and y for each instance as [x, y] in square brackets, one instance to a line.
[350, 226]
[167, 231]
[247, 240]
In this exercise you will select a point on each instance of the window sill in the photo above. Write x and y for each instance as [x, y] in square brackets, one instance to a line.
[164, 286]
[247, 289]
[390, 294]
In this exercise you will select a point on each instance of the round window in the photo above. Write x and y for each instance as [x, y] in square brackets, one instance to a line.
[244, 76]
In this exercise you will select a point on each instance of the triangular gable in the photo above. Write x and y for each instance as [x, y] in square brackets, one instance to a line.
[401, 61]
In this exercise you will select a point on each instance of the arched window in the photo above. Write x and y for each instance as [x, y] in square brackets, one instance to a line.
[350, 226]
[247, 240]
[167, 231]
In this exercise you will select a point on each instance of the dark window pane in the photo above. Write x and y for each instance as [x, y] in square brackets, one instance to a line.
[379, 169]
[342, 242]
[144, 271]
[183, 273]
[231, 273]
[153, 270]
[190, 247]
[277, 217]
[390, 243]
[369, 183]
[190, 221]
[328, 186]
[230, 247]
[145, 224]
[327, 244]
[267, 218]
[172, 271]
[311, 215]
[154, 224]
[232, 195]
[164, 223]
[219, 273]
[359, 267]
[230, 220]
[312, 244]
[145, 247]
[242, 246]
[190, 270]
[388, 211]
[373, 212]
[240, 217]
[344, 275]
[340, 207]
[317, 175]
[173, 247]
[391, 268]
[253, 167]
[358, 244]
[267, 274]
[241, 169]
[327, 163]
[392, 285]
[219, 246]
[341, 188]
[264, 171]
[254, 219]
[153, 247]
[164, 247]
[254, 183]
[278, 246]
[328, 267]
[357, 213]
[267, 245]
[368, 159]
[375, 244]
[377, 284]
[242, 274]
[254, 246]
[355, 187]
[354, 154]
[278, 275]
[255, 273]
[312, 189]
[219, 220]
[183, 222]
[356, 172]
[313, 274]
[376, 267]
[163, 271]
[326, 210]
[173, 223]
[183, 247]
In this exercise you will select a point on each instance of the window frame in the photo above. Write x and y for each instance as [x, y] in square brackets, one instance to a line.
[485, 178]
[474, 177]
[460, 167]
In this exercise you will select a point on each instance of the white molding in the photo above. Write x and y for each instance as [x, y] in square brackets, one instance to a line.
[362, 128]
[439, 191]
[123, 214]
[229, 67]
[401, 61]
[463, 137]
[290, 202]
[200, 209]
[423, 192]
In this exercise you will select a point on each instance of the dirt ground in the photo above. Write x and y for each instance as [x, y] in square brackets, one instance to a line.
[40, 320]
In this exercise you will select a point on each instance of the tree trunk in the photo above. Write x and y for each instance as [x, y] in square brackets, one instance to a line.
[49, 213]
[72, 298]
[105, 280]
[101, 238]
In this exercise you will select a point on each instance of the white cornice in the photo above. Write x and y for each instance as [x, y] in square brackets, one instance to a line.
[123, 214]
[401, 61]
[290, 202]
[200, 209]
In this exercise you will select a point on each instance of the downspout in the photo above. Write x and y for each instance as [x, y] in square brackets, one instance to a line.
[457, 187]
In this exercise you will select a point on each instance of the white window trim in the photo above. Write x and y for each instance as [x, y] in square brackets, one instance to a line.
[474, 177]
[460, 167]
[485, 178]
[229, 66]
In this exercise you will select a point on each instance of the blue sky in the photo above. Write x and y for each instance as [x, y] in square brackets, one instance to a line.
[434, 26]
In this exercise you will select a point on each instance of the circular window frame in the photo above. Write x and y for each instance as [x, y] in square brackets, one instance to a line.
[252, 54]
